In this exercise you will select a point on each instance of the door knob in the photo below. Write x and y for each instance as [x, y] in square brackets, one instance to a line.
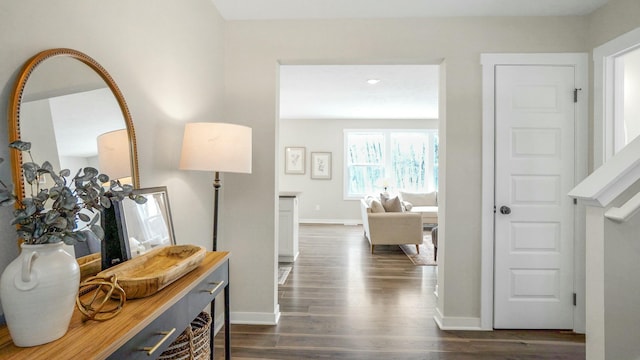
[505, 210]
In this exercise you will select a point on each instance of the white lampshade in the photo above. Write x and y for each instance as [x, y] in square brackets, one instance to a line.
[114, 157]
[217, 147]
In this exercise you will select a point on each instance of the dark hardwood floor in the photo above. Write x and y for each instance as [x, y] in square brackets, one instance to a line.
[342, 302]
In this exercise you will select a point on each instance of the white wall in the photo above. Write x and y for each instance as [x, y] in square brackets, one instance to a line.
[41, 133]
[166, 57]
[324, 135]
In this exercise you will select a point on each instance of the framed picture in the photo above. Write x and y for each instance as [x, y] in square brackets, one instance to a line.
[148, 225]
[294, 160]
[321, 165]
[132, 229]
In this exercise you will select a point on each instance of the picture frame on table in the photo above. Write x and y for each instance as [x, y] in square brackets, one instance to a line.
[132, 229]
[294, 160]
[321, 165]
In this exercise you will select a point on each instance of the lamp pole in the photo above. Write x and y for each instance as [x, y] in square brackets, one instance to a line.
[216, 187]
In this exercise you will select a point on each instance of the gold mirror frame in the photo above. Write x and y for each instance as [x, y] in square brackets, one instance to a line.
[16, 99]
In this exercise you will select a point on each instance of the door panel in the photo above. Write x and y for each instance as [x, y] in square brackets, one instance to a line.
[534, 171]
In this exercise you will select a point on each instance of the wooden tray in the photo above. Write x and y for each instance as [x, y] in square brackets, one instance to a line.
[89, 265]
[150, 272]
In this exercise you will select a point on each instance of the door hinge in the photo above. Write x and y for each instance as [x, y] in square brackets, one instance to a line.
[494, 209]
[575, 299]
[575, 94]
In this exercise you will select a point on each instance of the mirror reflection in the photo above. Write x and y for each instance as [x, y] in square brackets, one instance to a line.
[66, 107]
[148, 225]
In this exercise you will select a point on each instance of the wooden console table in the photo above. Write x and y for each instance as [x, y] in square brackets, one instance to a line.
[145, 327]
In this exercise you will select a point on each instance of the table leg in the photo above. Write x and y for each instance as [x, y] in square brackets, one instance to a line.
[227, 325]
[212, 329]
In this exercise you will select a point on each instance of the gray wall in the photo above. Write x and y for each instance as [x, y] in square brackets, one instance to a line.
[621, 284]
[166, 57]
[255, 48]
[323, 135]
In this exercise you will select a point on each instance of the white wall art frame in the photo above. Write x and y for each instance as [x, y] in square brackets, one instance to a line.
[321, 165]
[294, 160]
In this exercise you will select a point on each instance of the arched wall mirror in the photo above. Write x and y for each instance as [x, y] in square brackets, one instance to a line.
[70, 109]
[64, 101]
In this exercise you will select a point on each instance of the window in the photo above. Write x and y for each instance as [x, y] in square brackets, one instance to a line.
[626, 91]
[393, 159]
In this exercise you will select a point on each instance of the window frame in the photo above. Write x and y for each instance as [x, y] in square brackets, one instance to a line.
[430, 182]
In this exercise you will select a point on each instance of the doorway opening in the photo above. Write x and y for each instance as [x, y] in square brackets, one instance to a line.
[320, 104]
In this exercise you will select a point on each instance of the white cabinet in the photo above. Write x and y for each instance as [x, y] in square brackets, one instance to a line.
[288, 230]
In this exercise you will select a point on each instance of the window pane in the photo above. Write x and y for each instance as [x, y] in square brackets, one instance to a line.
[365, 148]
[435, 161]
[409, 158]
[365, 157]
[363, 179]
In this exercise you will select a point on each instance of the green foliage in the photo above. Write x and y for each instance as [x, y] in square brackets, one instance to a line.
[51, 215]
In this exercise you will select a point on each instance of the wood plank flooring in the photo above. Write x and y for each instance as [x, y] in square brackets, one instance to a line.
[342, 302]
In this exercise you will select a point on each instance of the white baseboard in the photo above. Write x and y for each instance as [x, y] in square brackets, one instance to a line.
[288, 258]
[247, 318]
[255, 318]
[331, 221]
[457, 323]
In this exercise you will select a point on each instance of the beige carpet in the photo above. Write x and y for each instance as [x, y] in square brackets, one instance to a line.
[425, 258]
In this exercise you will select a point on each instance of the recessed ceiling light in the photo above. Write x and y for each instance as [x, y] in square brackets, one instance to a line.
[373, 81]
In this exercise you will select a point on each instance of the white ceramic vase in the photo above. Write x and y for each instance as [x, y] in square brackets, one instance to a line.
[38, 292]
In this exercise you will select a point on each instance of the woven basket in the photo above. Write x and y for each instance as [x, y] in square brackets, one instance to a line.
[193, 343]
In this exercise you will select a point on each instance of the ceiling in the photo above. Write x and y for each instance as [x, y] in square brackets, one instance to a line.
[342, 92]
[332, 9]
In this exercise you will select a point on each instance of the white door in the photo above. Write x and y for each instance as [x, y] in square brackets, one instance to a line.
[534, 164]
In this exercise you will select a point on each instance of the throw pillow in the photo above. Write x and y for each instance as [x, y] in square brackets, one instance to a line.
[391, 204]
[376, 206]
[407, 205]
[368, 199]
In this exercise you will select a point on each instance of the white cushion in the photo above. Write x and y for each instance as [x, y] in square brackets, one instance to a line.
[420, 199]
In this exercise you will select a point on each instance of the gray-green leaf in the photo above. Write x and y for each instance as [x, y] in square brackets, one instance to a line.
[139, 199]
[84, 217]
[20, 145]
[97, 230]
